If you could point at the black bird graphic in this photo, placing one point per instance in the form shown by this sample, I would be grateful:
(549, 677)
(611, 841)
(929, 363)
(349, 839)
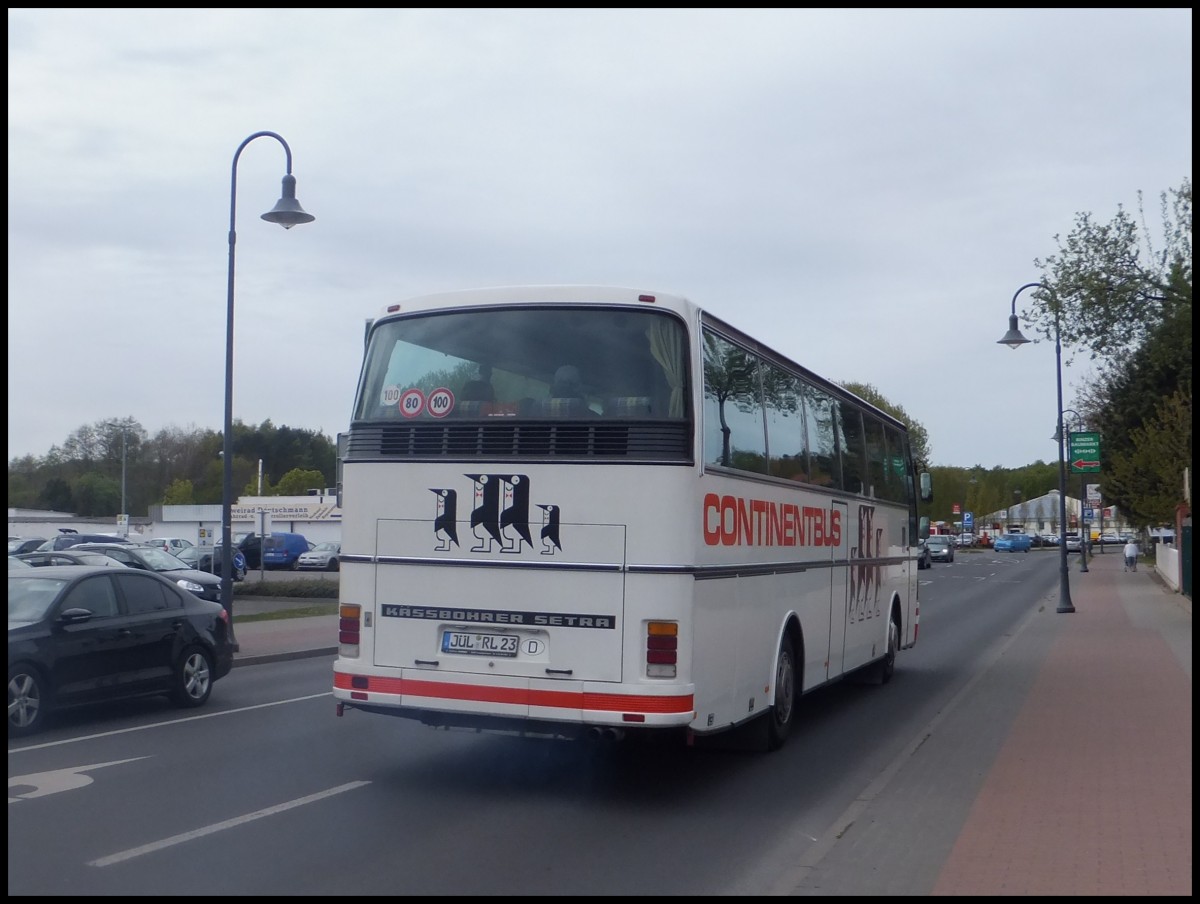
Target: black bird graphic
(445, 521)
(514, 512)
(485, 517)
(550, 529)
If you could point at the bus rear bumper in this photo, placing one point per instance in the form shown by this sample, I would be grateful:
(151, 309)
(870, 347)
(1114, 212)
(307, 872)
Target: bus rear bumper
(527, 706)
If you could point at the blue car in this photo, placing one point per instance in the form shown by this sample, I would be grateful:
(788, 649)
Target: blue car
(1013, 543)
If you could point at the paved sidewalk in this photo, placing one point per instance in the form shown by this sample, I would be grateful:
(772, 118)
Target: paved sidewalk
(1091, 794)
(286, 638)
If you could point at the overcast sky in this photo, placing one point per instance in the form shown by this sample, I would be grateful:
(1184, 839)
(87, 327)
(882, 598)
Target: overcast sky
(862, 189)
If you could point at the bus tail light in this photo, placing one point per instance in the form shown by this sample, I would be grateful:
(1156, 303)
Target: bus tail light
(349, 629)
(662, 649)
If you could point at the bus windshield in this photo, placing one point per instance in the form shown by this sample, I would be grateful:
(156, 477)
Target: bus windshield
(543, 361)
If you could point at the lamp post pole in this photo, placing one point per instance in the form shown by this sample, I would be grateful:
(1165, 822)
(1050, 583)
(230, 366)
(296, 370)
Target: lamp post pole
(1013, 339)
(287, 212)
(1084, 531)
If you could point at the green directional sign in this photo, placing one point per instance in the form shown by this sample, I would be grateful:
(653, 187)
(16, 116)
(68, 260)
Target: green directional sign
(1085, 452)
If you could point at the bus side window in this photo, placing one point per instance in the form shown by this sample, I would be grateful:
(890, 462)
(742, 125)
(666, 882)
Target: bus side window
(821, 428)
(854, 452)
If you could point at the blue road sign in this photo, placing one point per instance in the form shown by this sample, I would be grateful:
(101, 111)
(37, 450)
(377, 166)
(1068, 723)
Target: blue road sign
(968, 521)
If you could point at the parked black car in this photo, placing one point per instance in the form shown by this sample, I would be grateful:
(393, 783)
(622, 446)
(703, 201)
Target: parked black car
(81, 634)
(924, 559)
(147, 558)
(202, 559)
(24, 544)
(68, 557)
(250, 545)
(68, 538)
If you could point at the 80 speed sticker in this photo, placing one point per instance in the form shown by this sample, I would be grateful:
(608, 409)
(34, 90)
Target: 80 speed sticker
(413, 402)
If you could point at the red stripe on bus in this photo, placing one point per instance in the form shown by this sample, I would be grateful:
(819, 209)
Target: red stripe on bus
(516, 696)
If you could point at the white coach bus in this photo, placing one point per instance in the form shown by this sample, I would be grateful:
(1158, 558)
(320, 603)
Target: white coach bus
(586, 511)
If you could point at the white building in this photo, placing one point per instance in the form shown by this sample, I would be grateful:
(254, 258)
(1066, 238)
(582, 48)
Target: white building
(317, 517)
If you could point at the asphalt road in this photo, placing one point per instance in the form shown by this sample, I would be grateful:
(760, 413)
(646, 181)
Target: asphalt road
(267, 791)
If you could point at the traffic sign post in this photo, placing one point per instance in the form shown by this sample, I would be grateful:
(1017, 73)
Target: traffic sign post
(1085, 452)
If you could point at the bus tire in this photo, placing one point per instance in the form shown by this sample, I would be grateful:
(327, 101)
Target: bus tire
(882, 670)
(782, 711)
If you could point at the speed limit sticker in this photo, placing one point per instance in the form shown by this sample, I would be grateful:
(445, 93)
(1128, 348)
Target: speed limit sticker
(441, 402)
(412, 402)
(390, 395)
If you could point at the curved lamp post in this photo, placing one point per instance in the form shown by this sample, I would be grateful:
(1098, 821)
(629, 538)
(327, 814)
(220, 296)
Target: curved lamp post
(287, 212)
(1084, 532)
(1013, 339)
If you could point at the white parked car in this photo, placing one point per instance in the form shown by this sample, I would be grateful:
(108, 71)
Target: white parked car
(322, 557)
(167, 544)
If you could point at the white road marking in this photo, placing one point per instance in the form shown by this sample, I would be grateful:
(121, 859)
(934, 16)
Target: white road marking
(56, 780)
(120, 731)
(221, 826)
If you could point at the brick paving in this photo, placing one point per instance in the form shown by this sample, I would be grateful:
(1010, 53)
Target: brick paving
(1091, 793)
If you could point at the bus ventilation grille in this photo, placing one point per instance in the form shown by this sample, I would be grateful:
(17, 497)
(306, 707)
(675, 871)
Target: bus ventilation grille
(653, 441)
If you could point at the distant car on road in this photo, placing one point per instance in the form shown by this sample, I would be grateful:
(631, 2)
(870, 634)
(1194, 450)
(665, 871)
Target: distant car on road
(941, 548)
(86, 633)
(1013, 543)
(322, 557)
(964, 540)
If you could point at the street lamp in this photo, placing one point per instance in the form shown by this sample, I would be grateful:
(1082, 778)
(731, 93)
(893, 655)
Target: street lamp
(124, 513)
(287, 212)
(1084, 530)
(1013, 339)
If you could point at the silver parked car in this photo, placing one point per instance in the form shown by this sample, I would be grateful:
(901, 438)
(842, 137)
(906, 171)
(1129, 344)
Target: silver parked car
(322, 557)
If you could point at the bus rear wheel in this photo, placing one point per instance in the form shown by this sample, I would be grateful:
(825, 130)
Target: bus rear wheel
(781, 714)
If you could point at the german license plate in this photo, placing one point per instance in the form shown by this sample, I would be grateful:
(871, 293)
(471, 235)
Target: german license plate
(479, 644)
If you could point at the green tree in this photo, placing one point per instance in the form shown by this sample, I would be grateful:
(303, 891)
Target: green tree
(1148, 480)
(56, 496)
(96, 495)
(1112, 285)
(297, 482)
(179, 492)
(1126, 299)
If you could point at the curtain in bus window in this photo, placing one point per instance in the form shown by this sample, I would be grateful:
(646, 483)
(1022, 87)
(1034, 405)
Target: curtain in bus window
(821, 431)
(784, 408)
(666, 345)
(854, 450)
(877, 475)
(734, 432)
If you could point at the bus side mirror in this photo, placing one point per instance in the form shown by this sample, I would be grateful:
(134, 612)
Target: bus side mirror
(926, 487)
(923, 526)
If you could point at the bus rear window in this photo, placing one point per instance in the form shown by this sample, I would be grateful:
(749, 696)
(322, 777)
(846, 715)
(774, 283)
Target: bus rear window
(542, 362)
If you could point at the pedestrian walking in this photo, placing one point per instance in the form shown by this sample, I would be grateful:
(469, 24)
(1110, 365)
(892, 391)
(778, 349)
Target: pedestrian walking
(1131, 556)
